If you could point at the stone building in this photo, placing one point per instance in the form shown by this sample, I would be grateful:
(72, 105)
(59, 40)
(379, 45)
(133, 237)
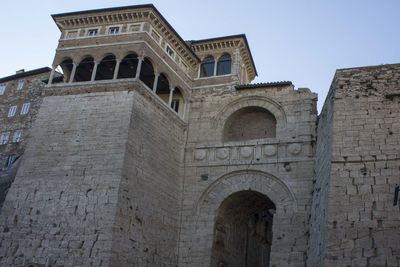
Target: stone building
(155, 151)
(20, 98)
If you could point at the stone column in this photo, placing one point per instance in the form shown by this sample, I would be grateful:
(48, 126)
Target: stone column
(155, 82)
(215, 67)
(171, 95)
(71, 78)
(94, 71)
(51, 75)
(139, 67)
(184, 110)
(116, 70)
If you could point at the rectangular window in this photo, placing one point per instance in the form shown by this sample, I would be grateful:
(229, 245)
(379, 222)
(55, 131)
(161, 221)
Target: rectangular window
(10, 160)
(92, 32)
(169, 51)
(20, 85)
(17, 136)
(175, 104)
(2, 89)
(12, 111)
(4, 138)
(113, 30)
(25, 108)
(72, 34)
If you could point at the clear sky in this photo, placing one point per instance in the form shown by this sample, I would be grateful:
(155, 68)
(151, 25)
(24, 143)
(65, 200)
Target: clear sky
(301, 41)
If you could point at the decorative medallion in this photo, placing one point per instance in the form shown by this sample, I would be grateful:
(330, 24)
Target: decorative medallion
(294, 149)
(200, 154)
(222, 153)
(269, 150)
(246, 152)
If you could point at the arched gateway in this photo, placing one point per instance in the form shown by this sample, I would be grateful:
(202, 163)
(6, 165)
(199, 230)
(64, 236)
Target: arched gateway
(242, 219)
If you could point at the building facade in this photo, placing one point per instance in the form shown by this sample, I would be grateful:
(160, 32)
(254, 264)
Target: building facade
(20, 99)
(149, 150)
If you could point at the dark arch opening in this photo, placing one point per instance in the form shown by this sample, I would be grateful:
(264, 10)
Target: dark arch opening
(84, 70)
(243, 230)
(224, 65)
(65, 69)
(178, 102)
(163, 89)
(250, 123)
(128, 66)
(105, 70)
(147, 73)
(207, 67)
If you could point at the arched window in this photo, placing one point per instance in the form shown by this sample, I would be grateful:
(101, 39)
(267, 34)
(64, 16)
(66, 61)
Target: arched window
(65, 69)
(224, 65)
(250, 123)
(84, 70)
(106, 68)
(147, 73)
(128, 66)
(207, 67)
(163, 89)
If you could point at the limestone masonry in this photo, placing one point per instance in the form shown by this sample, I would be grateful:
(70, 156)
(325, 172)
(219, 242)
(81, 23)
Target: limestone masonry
(138, 148)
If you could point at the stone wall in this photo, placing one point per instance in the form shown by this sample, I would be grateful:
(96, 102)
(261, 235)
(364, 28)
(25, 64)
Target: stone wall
(146, 227)
(31, 92)
(60, 209)
(280, 168)
(361, 221)
(323, 158)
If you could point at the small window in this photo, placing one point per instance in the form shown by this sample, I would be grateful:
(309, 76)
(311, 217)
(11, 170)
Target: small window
(113, 30)
(2, 89)
(4, 138)
(92, 32)
(175, 104)
(25, 108)
(20, 85)
(12, 111)
(10, 160)
(72, 34)
(169, 51)
(17, 136)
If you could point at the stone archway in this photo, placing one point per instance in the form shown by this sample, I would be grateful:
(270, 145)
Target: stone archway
(250, 181)
(243, 231)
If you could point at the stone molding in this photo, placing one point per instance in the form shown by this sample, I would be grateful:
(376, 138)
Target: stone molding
(130, 14)
(259, 181)
(228, 42)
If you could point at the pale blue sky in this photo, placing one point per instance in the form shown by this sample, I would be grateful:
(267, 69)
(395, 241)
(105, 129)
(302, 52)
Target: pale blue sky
(301, 41)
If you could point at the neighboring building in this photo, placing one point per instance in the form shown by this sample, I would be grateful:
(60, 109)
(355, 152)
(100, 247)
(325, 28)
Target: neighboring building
(20, 99)
(155, 151)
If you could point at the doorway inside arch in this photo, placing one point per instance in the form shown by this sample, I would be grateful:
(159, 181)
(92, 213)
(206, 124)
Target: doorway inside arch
(243, 231)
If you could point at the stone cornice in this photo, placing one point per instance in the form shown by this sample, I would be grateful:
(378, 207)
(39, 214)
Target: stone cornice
(236, 41)
(131, 14)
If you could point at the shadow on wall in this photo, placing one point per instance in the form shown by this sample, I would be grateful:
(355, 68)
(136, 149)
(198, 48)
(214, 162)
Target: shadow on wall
(7, 177)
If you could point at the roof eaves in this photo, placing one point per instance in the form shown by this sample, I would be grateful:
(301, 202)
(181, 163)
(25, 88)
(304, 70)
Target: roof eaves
(229, 37)
(151, 6)
(263, 85)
